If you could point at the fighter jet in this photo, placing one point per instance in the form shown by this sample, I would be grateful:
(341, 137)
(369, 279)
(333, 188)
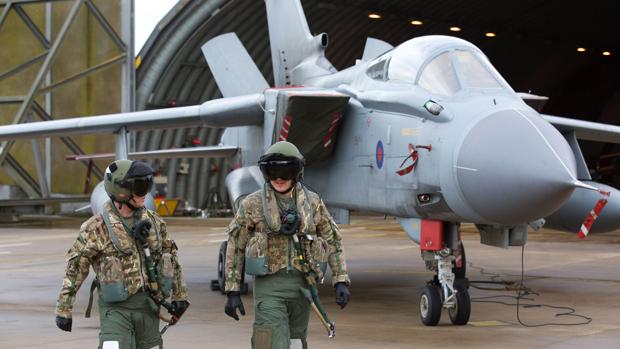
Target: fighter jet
(427, 131)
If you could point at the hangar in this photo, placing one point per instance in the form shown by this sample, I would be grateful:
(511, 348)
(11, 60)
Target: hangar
(567, 53)
(374, 16)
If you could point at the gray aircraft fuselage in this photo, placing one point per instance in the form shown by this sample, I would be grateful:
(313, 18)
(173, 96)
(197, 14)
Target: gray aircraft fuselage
(492, 159)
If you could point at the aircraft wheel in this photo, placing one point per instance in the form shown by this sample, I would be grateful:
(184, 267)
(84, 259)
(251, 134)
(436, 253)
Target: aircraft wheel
(460, 271)
(430, 306)
(459, 315)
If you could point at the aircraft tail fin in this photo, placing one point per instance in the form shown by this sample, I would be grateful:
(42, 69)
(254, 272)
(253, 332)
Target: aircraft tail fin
(232, 67)
(296, 54)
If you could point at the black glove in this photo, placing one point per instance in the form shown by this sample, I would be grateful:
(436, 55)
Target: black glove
(63, 323)
(141, 231)
(342, 294)
(178, 308)
(233, 301)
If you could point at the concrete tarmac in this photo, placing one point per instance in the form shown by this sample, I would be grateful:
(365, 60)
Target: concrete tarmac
(562, 272)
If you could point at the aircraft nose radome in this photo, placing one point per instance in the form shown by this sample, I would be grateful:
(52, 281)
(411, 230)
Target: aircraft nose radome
(514, 168)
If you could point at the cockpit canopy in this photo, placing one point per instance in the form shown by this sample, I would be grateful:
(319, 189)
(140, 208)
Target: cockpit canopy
(442, 65)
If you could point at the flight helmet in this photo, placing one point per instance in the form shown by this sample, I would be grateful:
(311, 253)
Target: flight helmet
(123, 178)
(282, 160)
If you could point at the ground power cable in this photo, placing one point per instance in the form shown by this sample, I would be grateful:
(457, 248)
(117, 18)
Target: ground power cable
(522, 294)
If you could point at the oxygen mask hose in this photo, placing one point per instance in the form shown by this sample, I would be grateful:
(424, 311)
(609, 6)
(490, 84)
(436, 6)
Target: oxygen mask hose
(290, 222)
(140, 232)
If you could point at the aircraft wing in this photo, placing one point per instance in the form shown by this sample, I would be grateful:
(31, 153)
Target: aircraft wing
(216, 151)
(226, 112)
(587, 130)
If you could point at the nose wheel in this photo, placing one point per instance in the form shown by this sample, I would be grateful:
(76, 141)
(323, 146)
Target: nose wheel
(444, 291)
(459, 313)
(430, 305)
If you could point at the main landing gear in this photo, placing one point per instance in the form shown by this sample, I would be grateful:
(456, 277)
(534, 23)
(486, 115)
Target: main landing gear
(448, 289)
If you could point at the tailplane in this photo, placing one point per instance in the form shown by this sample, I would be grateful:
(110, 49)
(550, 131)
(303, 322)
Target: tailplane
(296, 54)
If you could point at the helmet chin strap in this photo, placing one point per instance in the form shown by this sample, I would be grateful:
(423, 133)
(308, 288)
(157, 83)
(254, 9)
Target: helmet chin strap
(132, 207)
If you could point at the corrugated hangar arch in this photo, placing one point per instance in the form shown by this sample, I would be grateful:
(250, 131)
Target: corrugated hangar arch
(534, 48)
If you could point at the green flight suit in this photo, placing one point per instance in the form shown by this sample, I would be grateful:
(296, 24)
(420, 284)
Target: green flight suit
(281, 311)
(133, 323)
(129, 317)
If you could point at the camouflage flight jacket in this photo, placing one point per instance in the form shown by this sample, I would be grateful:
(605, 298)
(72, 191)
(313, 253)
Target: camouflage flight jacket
(95, 247)
(251, 225)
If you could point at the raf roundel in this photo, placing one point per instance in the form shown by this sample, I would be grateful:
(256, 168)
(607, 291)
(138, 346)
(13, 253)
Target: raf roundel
(379, 156)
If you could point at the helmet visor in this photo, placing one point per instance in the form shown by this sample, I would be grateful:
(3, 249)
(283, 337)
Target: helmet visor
(139, 186)
(280, 169)
(143, 185)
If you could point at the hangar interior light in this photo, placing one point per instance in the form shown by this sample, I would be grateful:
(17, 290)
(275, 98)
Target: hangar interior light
(373, 14)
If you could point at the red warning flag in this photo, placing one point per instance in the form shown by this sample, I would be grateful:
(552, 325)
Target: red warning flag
(593, 215)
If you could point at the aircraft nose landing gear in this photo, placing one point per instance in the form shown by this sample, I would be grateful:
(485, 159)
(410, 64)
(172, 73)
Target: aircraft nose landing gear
(444, 291)
(449, 287)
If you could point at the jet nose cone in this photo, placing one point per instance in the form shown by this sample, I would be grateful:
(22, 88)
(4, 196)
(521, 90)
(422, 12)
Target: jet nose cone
(513, 168)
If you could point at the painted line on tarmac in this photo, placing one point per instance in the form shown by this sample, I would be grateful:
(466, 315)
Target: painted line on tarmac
(46, 237)
(402, 247)
(489, 323)
(407, 272)
(210, 241)
(5, 252)
(16, 245)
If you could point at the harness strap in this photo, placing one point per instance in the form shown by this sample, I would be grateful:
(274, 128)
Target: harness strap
(113, 237)
(266, 208)
(93, 286)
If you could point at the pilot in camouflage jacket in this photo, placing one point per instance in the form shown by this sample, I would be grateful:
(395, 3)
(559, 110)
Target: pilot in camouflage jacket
(128, 306)
(258, 240)
(253, 233)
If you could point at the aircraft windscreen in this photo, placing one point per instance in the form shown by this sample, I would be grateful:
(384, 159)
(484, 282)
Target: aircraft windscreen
(439, 76)
(473, 73)
(376, 69)
(439, 64)
(405, 61)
